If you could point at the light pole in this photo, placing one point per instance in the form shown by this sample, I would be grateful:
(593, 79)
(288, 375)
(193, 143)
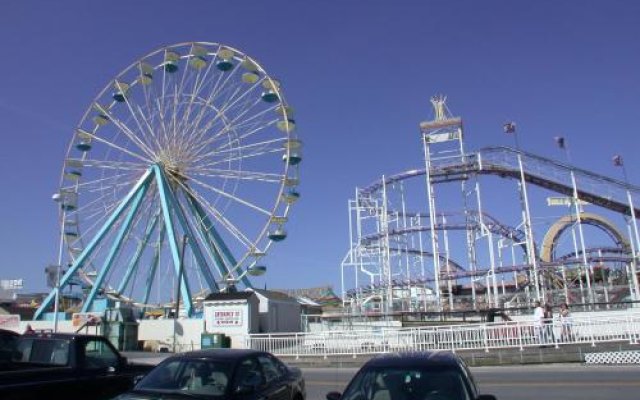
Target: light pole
(58, 199)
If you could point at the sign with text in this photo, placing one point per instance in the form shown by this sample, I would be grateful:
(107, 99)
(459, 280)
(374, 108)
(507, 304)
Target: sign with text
(228, 317)
(88, 318)
(564, 201)
(11, 284)
(9, 321)
(442, 137)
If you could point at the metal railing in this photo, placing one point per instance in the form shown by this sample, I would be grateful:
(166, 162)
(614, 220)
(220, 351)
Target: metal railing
(503, 335)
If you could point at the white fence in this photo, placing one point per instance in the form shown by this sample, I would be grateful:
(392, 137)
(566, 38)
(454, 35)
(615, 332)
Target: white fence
(516, 334)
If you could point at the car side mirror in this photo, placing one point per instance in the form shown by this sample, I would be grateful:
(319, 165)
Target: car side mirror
(486, 397)
(245, 389)
(335, 396)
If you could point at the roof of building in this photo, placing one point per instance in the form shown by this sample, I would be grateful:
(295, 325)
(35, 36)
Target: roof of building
(229, 296)
(270, 294)
(323, 295)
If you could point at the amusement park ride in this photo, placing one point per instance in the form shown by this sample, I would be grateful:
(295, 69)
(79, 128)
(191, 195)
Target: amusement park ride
(424, 240)
(183, 168)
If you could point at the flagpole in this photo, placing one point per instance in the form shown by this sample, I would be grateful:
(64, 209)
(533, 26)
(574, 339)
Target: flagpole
(619, 162)
(560, 140)
(510, 128)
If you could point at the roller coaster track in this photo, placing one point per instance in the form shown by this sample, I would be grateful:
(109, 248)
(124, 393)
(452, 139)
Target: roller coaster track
(543, 172)
(457, 221)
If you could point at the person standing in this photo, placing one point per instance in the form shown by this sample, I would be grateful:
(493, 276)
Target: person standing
(538, 318)
(548, 323)
(565, 323)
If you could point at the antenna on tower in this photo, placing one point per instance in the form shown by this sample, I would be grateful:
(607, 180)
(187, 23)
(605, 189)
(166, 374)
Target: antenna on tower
(439, 103)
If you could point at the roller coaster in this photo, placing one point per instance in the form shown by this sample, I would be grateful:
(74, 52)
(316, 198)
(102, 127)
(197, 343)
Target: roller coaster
(405, 255)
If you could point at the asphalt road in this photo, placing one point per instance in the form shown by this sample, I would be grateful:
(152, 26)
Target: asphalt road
(548, 382)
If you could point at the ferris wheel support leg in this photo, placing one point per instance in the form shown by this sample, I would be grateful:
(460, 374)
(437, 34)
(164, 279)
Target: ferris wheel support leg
(216, 241)
(169, 195)
(154, 267)
(135, 260)
(173, 243)
(204, 227)
(115, 248)
(93, 244)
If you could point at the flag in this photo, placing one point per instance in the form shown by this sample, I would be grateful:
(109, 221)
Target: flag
(617, 160)
(560, 141)
(510, 127)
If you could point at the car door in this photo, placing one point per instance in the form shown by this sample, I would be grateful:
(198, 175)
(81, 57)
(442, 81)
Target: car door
(249, 375)
(101, 366)
(278, 384)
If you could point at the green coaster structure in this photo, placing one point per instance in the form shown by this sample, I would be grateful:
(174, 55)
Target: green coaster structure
(193, 142)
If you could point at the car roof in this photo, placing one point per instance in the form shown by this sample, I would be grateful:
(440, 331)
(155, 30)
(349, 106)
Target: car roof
(6, 332)
(219, 354)
(59, 335)
(415, 359)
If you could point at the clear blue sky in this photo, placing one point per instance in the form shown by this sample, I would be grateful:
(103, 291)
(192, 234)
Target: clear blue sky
(359, 74)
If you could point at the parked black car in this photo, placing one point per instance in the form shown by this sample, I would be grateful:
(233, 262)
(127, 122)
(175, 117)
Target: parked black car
(8, 340)
(412, 376)
(66, 366)
(221, 373)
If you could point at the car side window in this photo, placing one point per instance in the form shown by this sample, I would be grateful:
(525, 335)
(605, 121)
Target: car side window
(249, 374)
(52, 352)
(97, 354)
(282, 368)
(467, 374)
(269, 368)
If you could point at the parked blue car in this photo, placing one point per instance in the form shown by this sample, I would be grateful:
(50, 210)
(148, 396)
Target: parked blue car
(412, 376)
(221, 374)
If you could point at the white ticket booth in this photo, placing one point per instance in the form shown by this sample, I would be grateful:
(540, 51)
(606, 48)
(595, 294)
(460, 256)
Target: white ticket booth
(234, 314)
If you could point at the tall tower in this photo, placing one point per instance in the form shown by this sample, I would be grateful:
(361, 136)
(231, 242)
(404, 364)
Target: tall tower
(441, 139)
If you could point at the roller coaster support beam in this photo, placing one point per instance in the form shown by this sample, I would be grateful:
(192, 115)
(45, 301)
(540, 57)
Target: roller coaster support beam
(636, 248)
(587, 267)
(531, 251)
(492, 261)
(386, 261)
(432, 220)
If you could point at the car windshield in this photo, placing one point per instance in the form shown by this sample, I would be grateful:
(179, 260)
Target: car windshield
(407, 384)
(188, 376)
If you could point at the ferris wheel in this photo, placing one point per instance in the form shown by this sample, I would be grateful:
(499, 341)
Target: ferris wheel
(185, 165)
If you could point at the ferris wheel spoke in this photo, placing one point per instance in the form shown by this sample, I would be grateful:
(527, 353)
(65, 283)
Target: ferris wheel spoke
(176, 101)
(228, 125)
(127, 132)
(120, 148)
(141, 129)
(188, 109)
(231, 197)
(257, 151)
(266, 143)
(108, 164)
(232, 102)
(204, 145)
(218, 216)
(238, 174)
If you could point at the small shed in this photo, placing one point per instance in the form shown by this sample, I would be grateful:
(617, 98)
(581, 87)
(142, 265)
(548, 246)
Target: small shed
(233, 313)
(278, 312)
